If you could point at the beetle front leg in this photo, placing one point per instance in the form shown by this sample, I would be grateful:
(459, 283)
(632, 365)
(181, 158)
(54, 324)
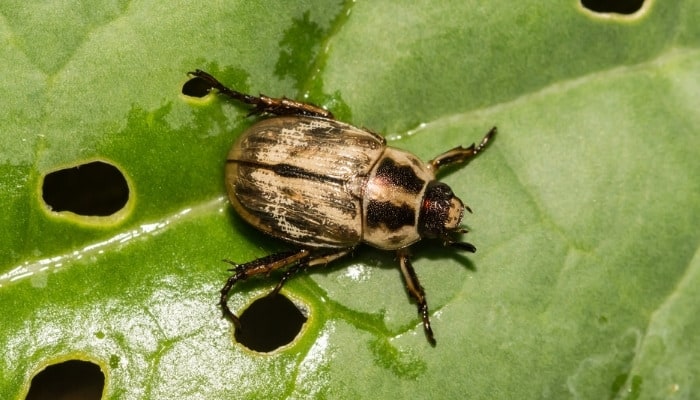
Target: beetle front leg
(459, 154)
(262, 265)
(416, 291)
(263, 104)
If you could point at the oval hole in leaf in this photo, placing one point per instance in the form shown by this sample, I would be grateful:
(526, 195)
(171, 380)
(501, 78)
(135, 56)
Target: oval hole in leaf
(618, 7)
(93, 189)
(72, 379)
(269, 323)
(196, 87)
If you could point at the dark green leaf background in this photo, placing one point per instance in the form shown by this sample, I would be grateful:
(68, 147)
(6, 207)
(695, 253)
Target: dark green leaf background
(586, 206)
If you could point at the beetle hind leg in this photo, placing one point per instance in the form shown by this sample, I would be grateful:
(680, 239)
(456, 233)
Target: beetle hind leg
(416, 291)
(311, 262)
(296, 260)
(262, 265)
(263, 104)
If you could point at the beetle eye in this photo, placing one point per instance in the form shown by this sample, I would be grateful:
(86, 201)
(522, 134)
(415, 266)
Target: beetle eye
(441, 211)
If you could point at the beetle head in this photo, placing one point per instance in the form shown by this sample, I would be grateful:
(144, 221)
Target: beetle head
(440, 215)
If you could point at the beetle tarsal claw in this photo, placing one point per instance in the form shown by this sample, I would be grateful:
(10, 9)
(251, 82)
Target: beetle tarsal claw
(234, 264)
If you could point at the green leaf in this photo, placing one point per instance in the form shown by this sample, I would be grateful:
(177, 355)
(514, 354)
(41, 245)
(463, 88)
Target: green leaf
(586, 206)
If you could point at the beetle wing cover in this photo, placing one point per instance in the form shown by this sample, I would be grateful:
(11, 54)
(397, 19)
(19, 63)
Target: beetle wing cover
(301, 179)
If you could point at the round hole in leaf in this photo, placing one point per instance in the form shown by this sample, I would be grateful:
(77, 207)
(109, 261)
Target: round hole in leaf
(618, 6)
(93, 189)
(196, 87)
(72, 379)
(269, 323)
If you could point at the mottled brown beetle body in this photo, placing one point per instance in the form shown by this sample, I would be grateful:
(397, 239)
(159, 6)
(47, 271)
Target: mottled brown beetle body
(321, 183)
(327, 186)
(301, 179)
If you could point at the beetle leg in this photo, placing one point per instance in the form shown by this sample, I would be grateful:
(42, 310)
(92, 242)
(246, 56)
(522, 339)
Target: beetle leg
(459, 154)
(263, 104)
(416, 291)
(302, 265)
(262, 265)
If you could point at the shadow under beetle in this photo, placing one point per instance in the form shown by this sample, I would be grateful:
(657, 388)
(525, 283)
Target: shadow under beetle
(327, 186)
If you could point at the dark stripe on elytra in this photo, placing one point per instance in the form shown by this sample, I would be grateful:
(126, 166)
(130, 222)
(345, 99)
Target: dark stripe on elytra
(325, 130)
(390, 215)
(309, 232)
(401, 176)
(290, 171)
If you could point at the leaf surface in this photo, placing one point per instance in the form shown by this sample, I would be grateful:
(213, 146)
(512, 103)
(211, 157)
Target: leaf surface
(586, 206)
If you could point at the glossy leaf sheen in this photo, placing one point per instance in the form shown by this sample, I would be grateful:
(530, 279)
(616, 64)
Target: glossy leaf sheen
(586, 206)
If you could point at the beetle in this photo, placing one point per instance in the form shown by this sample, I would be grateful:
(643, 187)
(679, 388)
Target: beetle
(326, 186)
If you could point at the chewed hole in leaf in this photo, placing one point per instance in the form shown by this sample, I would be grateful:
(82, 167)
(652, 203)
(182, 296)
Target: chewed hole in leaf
(617, 7)
(196, 87)
(73, 379)
(93, 189)
(269, 323)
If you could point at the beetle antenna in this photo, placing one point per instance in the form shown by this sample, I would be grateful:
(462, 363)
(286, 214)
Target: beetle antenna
(464, 246)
